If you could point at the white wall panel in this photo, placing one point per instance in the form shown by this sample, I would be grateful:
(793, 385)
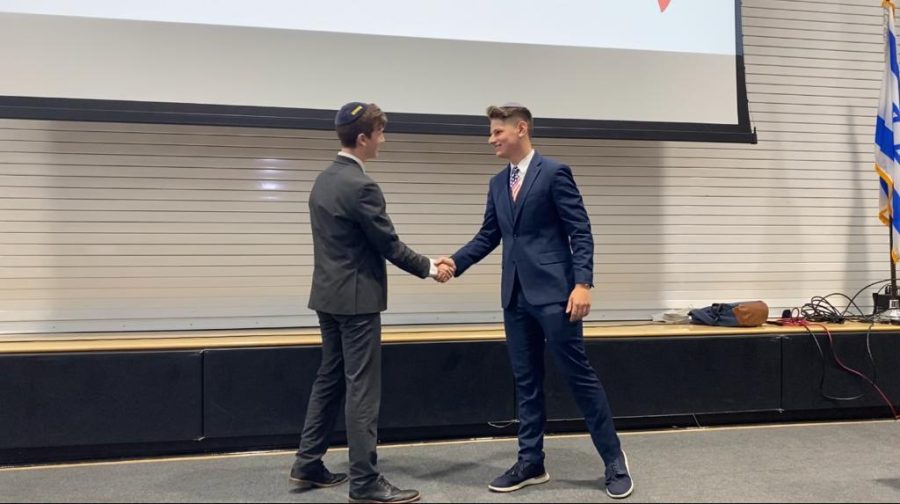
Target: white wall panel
(110, 227)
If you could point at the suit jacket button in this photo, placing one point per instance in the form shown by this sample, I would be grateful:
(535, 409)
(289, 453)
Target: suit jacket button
(515, 235)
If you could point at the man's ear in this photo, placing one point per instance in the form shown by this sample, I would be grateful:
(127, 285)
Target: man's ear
(362, 139)
(522, 129)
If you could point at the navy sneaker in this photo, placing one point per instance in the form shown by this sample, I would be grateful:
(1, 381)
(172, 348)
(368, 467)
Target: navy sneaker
(618, 480)
(521, 475)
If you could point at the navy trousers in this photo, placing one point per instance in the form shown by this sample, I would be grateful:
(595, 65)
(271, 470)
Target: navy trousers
(528, 330)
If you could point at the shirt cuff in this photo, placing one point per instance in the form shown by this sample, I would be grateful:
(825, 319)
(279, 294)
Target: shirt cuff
(432, 270)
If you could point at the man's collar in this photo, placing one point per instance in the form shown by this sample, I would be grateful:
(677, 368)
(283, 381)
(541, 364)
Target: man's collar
(525, 161)
(353, 158)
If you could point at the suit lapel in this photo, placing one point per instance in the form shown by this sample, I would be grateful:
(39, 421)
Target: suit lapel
(534, 171)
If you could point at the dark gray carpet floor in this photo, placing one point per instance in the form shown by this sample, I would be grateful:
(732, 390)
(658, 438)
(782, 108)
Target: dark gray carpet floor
(837, 462)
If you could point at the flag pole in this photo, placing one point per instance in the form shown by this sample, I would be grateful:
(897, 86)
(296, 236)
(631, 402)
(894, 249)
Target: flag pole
(893, 293)
(893, 297)
(891, 308)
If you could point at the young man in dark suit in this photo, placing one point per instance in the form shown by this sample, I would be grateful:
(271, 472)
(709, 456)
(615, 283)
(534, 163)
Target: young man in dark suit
(352, 237)
(535, 209)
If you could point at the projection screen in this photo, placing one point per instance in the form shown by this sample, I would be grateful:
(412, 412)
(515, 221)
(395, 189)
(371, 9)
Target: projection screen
(651, 69)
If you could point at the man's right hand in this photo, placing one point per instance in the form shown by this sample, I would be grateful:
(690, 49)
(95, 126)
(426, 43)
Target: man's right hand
(446, 269)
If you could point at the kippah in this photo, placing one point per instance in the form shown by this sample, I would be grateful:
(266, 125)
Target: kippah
(350, 113)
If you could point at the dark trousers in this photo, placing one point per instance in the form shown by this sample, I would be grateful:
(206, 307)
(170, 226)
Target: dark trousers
(351, 363)
(528, 329)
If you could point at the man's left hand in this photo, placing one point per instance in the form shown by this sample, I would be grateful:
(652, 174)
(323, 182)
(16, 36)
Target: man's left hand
(579, 303)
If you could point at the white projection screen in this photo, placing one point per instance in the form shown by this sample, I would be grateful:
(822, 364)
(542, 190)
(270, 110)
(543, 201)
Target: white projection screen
(640, 69)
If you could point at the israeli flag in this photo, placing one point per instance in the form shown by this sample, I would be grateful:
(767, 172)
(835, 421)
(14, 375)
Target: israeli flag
(887, 133)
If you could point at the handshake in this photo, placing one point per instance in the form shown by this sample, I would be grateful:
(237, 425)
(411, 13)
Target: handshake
(446, 268)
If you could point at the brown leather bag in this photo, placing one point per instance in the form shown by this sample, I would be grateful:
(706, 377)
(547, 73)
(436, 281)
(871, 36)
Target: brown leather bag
(751, 314)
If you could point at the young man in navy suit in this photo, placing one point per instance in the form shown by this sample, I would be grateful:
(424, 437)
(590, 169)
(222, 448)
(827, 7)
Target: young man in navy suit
(535, 209)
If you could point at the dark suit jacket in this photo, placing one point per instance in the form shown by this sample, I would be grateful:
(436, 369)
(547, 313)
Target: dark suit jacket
(546, 234)
(352, 236)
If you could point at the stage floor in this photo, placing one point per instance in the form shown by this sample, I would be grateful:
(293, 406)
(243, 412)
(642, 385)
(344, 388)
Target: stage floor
(252, 338)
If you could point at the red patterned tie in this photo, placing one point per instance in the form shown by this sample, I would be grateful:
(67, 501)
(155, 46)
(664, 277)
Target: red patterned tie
(515, 182)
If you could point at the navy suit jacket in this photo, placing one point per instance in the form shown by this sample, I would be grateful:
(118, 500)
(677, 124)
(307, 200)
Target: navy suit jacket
(546, 234)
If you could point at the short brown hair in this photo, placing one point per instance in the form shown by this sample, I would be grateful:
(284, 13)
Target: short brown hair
(371, 120)
(512, 111)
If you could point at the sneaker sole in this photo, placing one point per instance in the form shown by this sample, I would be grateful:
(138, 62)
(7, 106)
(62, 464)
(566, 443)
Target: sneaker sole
(630, 490)
(315, 484)
(351, 500)
(533, 481)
